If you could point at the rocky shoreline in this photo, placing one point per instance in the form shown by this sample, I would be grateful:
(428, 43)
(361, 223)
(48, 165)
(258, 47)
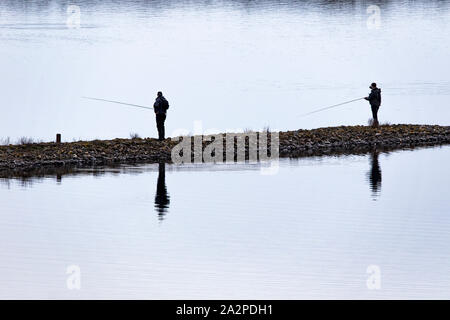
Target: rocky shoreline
(19, 159)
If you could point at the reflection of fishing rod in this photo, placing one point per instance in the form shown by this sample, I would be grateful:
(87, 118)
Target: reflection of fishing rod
(326, 108)
(118, 102)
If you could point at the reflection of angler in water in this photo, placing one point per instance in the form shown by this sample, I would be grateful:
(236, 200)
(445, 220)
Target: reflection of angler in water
(375, 174)
(162, 199)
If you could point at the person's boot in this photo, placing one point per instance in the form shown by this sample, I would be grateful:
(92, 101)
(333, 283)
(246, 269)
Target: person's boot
(375, 123)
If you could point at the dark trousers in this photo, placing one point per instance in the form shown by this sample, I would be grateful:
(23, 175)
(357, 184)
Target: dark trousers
(375, 112)
(160, 118)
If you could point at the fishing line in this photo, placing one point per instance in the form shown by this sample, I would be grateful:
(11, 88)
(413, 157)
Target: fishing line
(118, 102)
(330, 107)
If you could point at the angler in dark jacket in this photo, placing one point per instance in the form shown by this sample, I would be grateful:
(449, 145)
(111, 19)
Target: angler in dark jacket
(374, 99)
(160, 107)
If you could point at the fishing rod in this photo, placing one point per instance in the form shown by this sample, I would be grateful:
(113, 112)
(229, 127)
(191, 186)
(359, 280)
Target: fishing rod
(118, 102)
(330, 107)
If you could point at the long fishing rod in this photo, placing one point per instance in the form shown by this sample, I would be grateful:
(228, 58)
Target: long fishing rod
(330, 107)
(118, 102)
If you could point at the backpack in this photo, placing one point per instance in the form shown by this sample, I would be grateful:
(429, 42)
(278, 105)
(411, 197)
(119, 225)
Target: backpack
(376, 96)
(161, 105)
(165, 103)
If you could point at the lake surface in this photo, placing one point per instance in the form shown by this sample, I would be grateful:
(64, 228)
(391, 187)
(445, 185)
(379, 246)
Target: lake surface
(227, 231)
(312, 230)
(228, 64)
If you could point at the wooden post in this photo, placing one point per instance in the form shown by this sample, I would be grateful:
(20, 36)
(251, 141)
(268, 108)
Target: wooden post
(58, 138)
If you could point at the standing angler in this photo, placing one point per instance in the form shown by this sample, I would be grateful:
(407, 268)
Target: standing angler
(374, 99)
(161, 105)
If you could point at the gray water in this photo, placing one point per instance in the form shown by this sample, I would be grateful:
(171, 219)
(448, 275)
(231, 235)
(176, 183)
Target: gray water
(312, 230)
(227, 231)
(229, 64)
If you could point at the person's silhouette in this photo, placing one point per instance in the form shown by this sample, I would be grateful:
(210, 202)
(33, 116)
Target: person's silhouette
(375, 174)
(162, 198)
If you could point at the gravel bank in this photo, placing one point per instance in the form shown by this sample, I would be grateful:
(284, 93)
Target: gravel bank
(332, 140)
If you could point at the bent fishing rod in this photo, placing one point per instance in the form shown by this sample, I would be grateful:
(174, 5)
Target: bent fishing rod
(118, 102)
(330, 107)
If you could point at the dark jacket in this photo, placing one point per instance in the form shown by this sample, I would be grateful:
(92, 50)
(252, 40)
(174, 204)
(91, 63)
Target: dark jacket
(161, 105)
(375, 97)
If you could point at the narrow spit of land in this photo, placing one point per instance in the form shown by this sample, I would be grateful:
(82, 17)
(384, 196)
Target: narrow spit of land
(322, 141)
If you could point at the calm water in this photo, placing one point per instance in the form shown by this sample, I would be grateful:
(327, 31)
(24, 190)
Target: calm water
(227, 231)
(230, 64)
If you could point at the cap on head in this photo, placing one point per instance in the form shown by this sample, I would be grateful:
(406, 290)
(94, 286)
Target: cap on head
(373, 85)
(159, 94)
